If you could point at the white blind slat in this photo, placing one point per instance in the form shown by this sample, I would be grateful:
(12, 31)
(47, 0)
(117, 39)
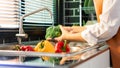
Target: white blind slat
(9, 13)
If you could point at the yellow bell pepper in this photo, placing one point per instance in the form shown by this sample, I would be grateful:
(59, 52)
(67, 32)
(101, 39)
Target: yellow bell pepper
(45, 46)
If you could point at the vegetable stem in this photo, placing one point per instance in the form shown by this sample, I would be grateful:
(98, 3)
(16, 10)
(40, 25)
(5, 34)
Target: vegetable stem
(64, 46)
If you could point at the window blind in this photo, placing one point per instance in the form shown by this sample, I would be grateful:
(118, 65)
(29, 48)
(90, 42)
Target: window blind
(41, 18)
(9, 13)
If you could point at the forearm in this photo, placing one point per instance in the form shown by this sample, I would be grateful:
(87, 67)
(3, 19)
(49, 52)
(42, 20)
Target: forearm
(76, 29)
(71, 33)
(73, 37)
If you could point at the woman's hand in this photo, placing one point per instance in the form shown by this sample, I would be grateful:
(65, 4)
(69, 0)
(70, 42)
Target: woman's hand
(65, 31)
(73, 29)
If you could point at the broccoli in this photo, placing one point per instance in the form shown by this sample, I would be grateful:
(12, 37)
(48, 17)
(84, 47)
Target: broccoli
(53, 31)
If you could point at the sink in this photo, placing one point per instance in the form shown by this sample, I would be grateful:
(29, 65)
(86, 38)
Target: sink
(7, 46)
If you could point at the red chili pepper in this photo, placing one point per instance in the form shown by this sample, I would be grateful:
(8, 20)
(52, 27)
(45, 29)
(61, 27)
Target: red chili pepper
(26, 48)
(62, 47)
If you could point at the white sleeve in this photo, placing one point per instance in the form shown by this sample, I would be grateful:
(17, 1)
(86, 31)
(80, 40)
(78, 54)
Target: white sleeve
(108, 26)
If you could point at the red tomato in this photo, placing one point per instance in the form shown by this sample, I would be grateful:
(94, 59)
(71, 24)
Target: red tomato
(26, 48)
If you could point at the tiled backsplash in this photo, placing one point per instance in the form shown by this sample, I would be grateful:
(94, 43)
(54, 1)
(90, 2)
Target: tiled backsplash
(71, 9)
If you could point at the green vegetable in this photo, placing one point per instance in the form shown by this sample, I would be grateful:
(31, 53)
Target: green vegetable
(89, 5)
(86, 5)
(53, 31)
(84, 23)
(55, 60)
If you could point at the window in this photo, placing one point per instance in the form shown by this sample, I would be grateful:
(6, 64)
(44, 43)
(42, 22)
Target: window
(9, 13)
(41, 18)
(11, 10)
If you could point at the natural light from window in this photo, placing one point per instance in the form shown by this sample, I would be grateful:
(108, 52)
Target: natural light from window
(9, 13)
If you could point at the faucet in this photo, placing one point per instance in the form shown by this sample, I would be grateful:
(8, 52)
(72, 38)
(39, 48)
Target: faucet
(21, 33)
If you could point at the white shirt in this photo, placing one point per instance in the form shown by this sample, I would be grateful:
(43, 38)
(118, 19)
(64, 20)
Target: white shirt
(108, 26)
